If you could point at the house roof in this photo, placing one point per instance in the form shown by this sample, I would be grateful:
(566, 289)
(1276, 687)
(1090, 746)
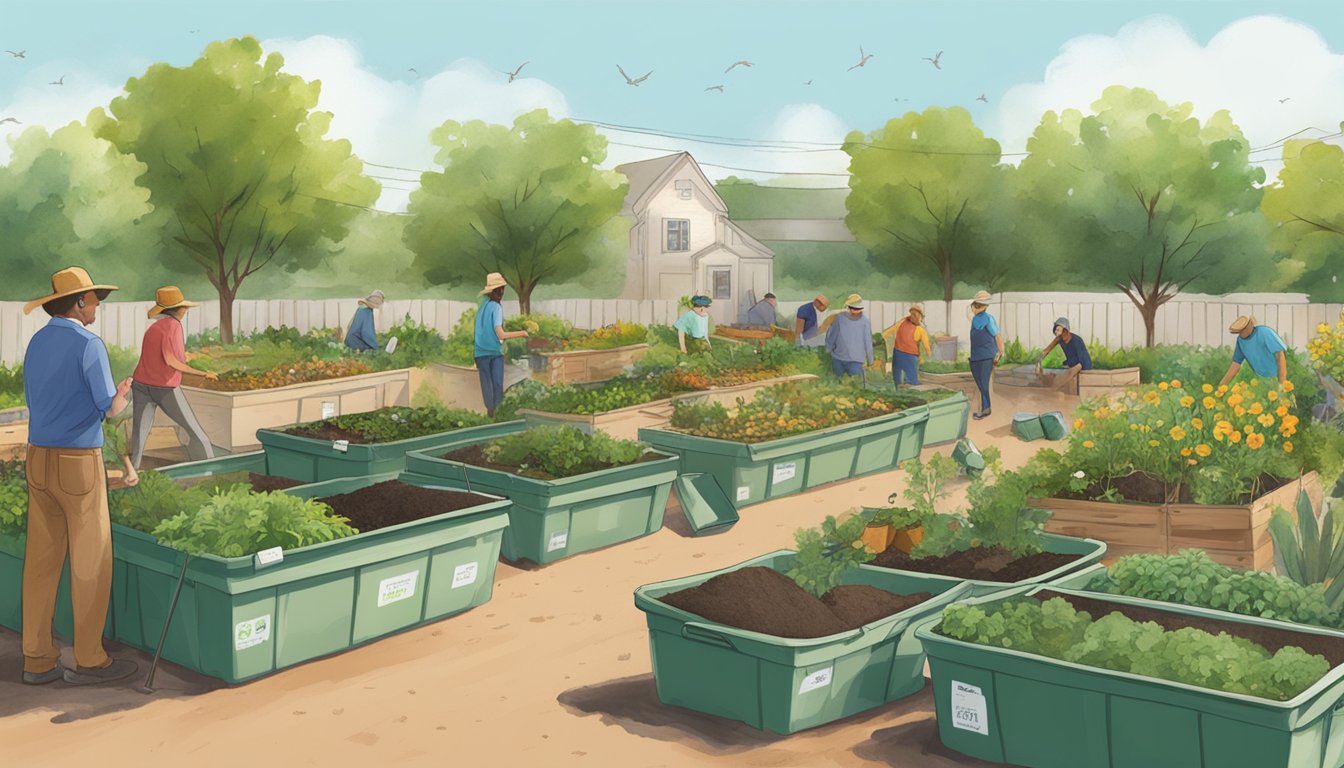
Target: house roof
(647, 177)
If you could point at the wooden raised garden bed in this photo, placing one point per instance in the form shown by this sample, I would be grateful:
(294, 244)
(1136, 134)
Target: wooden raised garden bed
(580, 366)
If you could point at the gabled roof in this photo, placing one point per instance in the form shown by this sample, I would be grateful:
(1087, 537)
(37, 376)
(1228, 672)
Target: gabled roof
(648, 177)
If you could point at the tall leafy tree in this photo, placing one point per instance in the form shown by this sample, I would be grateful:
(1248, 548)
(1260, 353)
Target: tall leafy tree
(922, 193)
(69, 198)
(236, 163)
(1307, 205)
(527, 201)
(1151, 199)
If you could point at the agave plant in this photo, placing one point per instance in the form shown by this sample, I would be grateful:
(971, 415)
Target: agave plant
(1312, 551)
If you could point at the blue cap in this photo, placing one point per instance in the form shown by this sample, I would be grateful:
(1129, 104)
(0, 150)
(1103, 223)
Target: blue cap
(701, 301)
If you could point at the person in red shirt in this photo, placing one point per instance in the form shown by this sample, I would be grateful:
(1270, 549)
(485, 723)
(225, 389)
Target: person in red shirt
(157, 380)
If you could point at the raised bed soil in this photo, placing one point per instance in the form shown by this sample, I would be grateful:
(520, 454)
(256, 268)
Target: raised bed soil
(393, 502)
(979, 563)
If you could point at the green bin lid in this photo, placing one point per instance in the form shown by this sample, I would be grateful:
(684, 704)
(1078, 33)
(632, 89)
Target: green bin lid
(705, 505)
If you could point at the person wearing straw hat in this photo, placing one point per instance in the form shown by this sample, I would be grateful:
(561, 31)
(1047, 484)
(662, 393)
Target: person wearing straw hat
(361, 335)
(903, 338)
(1076, 357)
(694, 322)
(807, 320)
(1260, 346)
(67, 381)
(986, 348)
(157, 381)
(490, 338)
(850, 339)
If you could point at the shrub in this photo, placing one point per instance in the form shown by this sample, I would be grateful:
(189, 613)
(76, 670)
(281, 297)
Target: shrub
(561, 451)
(13, 499)
(1312, 550)
(237, 522)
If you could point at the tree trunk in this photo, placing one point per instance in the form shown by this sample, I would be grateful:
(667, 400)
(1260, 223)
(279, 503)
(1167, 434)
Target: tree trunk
(525, 298)
(947, 301)
(1148, 310)
(226, 297)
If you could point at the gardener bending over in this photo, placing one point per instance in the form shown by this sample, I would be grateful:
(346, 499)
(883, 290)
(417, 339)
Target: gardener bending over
(1076, 358)
(361, 335)
(694, 322)
(1261, 347)
(157, 381)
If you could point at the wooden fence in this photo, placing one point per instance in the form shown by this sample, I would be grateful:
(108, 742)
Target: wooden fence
(1106, 318)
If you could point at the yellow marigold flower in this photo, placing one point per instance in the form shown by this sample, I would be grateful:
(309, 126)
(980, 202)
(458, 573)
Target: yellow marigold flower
(1177, 433)
(1078, 423)
(1322, 328)
(1163, 386)
(1207, 388)
(1089, 444)
(1291, 420)
(1185, 451)
(1191, 462)
(1272, 395)
(1282, 411)
(1153, 443)
(1203, 450)
(1234, 437)
(1222, 390)
(1256, 408)
(1235, 399)
(1133, 427)
(1103, 413)
(1145, 429)
(1288, 431)
(1248, 429)
(1197, 423)
(1255, 441)
(1187, 401)
(1152, 398)
(1287, 446)
(1239, 411)
(1287, 386)
(1209, 403)
(1218, 436)
(1266, 420)
(1176, 383)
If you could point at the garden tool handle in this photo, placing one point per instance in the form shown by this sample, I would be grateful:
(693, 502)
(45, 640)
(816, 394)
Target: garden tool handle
(702, 633)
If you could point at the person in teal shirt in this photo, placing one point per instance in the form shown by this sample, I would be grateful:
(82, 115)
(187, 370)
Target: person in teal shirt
(1260, 346)
(489, 341)
(694, 323)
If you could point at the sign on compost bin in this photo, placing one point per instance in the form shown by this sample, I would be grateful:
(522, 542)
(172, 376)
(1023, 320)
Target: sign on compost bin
(251, 632)
(819, 679)
(968, 709)
(268, 557)
(785, 471)
(558, 540)
(397, 588)
(465, 574)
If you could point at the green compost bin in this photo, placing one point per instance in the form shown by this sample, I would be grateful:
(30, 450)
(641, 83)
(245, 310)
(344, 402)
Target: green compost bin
(553, 519)
(1027, 426)
(754, 472)
(949, 413)
(311, 460)
(237, 620)
(1090, 551)
(783, 684)
(1006, 706)
(11, 593)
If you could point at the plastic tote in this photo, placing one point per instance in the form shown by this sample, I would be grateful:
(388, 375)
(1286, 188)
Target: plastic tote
(311, 460)
(1006, 706)
(553, 519)
(784, 684)
(754, 472)
(239, 618)
(1090, 551)
(1027, 426)
(1054, 426)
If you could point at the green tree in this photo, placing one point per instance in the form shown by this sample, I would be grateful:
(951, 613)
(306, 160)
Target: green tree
(526, 201)
(1307, 205)
(69, 198)
(236, 163)
(1148, 198)
(922, 193)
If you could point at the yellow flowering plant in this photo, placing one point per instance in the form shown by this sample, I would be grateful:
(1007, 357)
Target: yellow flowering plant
(1326, 349)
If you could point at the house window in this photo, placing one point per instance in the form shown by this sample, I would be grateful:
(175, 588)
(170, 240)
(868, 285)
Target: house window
(678, 235)
(721, 283)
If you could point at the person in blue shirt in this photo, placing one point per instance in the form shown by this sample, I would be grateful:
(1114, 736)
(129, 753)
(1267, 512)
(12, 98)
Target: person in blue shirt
(490, 337)
(849, 340)
(1260, 346)
(807, 319)
(1076, 358)
(762, 312)
(694, 322)
(67, 381)
(361, 335)
(986, 348)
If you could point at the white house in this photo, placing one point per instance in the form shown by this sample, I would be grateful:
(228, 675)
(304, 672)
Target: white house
(682, 242)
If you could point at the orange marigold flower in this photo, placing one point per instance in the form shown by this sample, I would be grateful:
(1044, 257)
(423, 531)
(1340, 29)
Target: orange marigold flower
(1209, 402)
(1163, 386)
(1272, 395)
(1234, 437)
(1187, 401)
(1287, 446)
(1203, 450)
(1266, 420)
(1197, 423)
(1256, 408)
(1078, 423)
(1255, 441)
(1089, 444)
(1186, 451)
(1177, 433)
(1282, 411)
(1191, 462)
(1176, 383)
(1207, 388)
(1287, 386)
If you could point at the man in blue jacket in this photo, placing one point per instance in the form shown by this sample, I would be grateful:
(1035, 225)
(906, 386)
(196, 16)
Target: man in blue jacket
(361, 335)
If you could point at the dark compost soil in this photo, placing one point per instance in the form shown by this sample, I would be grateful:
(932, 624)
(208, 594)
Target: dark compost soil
(982, 563)
(393, 502)
(1272, 639)
(766, 601)
(1139, 487)
(263, 483)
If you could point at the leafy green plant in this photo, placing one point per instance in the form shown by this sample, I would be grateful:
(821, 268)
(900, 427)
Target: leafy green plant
(927, 483)
(1312, 551)
(11, 386)
(238, 522)
(154, 499)
(1054, 629)
(396, 423)
(564, 451)
(826, 553)
(13, 499)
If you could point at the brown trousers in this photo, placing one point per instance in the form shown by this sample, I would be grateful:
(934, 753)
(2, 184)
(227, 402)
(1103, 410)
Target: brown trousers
(67, 510)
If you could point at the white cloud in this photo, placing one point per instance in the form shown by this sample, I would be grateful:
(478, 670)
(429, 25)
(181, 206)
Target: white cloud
(389, 121)
(1245, 68)
(36, 102)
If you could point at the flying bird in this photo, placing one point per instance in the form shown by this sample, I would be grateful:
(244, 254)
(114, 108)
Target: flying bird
(18, 54)
(981, 97)
(514, 74)
(863, 59)
(637, 80)
(934, 60)
(58, 82)
(1284, 99)
(718, 88)
(743, 63)
(809, 82)
(412, 69)
(10, 120)
(193, 31)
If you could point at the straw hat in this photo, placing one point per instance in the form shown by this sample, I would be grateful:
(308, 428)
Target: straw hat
(492, 281)
(855, 301)
(1241, 324)
(825, 302)
(374, 300)
(67, 282)
(982, 297)
(917, 307)
(169, 297)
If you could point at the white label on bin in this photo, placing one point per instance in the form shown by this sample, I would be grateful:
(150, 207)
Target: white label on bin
(397, 588)
(968, 709)
(743, 492)
(819, 679)
(785, 471)
(465, 574)
(252, 632)
(269, 556)
(328, 409)
(559, 540)
(340, 445)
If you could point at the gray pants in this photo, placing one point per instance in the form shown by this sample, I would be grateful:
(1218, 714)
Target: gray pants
(145, 401)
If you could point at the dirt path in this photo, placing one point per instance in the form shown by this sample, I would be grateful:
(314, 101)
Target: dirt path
(554, 671)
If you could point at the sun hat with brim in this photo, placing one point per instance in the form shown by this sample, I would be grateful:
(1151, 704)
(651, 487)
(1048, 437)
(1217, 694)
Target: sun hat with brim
(701, 301)
(1241, 323)
(917, 308)
(374, 300)
(855, 301)
(983, 297)
(1061, 322)
(169, 297)
(492, 281)
(825, 302)
(68, 282)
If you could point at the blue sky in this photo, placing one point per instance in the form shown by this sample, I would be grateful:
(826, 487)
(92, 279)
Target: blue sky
(1003, 49)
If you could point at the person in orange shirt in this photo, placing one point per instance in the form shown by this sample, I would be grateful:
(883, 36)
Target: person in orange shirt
(904, 337)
